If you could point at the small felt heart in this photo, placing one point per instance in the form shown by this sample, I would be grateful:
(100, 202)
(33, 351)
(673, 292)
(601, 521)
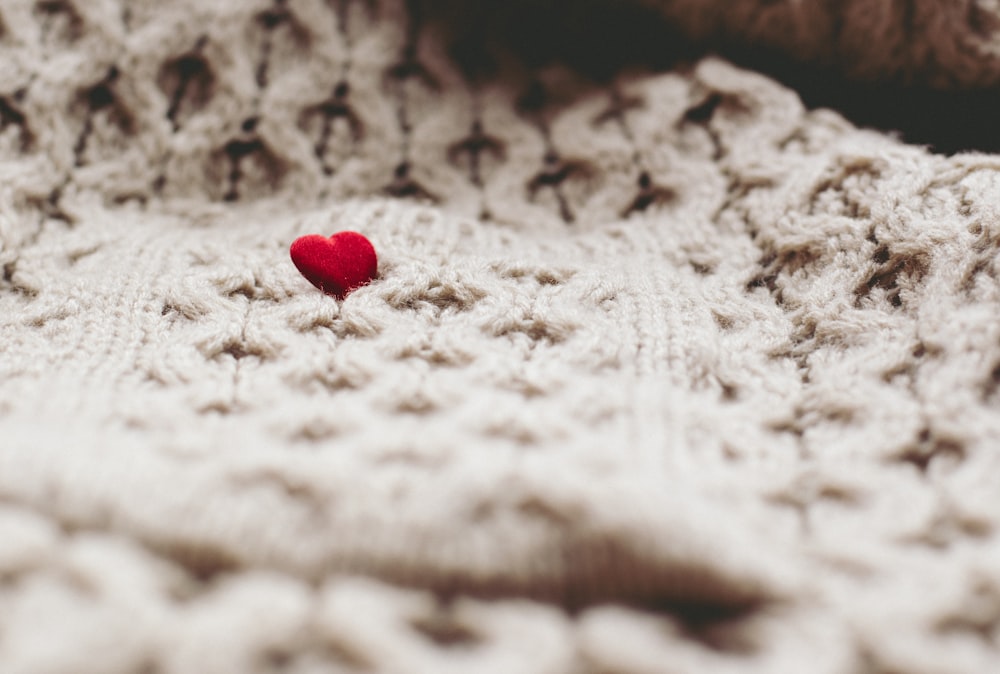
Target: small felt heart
(336, 265)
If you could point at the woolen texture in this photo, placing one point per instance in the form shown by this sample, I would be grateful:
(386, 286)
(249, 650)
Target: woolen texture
(661, 371)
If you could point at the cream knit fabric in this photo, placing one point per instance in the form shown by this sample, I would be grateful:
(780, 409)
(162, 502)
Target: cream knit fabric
(662, 371)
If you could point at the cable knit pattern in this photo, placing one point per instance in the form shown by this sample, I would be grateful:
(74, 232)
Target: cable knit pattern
(662, 371)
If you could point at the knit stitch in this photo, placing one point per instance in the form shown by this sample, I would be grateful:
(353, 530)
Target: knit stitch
(662, 371)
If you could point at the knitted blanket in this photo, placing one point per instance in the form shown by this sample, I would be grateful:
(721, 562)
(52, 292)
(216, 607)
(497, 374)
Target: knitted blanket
(663, 370)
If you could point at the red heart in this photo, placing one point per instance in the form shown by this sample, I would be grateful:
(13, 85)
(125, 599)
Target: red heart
(336, 265)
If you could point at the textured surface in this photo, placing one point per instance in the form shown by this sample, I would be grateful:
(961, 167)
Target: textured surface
(944, 43)
(662, 372)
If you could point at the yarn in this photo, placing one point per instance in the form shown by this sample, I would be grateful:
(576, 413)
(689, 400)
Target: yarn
(662, 371)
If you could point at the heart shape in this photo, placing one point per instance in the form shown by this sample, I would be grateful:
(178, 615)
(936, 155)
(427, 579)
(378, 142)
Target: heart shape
(336, 265)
